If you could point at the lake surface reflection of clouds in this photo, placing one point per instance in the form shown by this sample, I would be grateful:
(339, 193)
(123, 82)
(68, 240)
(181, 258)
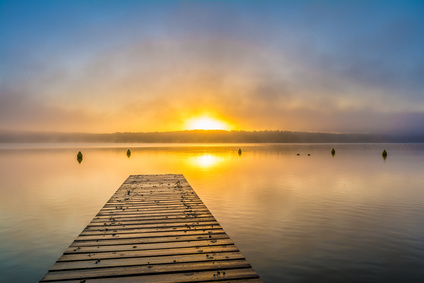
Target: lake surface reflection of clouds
(351, 217)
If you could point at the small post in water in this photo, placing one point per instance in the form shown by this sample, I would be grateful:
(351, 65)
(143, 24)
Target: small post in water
(79, 157)
(384, 154)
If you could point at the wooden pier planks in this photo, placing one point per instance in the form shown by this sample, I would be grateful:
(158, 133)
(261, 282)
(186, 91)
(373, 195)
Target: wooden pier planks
(153, 229)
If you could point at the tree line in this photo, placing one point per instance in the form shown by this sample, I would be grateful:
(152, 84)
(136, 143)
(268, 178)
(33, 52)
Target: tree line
(206, 136)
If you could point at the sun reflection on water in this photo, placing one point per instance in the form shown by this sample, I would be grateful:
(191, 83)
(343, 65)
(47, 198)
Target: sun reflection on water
(205, 160)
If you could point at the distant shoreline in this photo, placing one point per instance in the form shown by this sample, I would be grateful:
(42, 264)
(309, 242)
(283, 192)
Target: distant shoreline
(206, 136)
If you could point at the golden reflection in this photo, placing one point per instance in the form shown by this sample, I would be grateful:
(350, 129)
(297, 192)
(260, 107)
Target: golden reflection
(205, 160)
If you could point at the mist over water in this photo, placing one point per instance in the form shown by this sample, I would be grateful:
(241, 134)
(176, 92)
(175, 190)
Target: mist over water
(296, 217)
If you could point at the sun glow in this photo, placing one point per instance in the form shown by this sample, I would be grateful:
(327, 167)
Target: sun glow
(206, 123)
(205, 160)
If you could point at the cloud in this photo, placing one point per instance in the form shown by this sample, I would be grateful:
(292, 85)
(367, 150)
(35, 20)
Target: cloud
(166, 81)
(332, 67)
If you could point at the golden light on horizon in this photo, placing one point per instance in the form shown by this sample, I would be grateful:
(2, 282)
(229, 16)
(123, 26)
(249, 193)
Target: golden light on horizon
(206, 123)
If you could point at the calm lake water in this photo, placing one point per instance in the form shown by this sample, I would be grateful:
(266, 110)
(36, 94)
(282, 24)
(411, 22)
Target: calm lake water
(354, 217)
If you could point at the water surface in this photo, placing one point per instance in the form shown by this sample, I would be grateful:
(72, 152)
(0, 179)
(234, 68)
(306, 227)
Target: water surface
(352, 217)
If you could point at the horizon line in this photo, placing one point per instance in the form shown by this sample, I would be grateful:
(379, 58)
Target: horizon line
(8, 131)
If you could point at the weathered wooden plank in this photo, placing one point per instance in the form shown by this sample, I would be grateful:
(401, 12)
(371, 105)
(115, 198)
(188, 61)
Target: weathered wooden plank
(158, 209)
(133, 190)
(116, 214)
(144, 269)
(152, 246)
(153, 229)
(150, 191)
(139, 241)
(153, 205)
(247, 275)
(168, 227)
(167, 259)
(147, 218)
(117, 235)
(154, 202)
(189, 223)
(87, 232)
(150, 253)
(155, 196)
(141, 203)
(152, 221)
(150, 212)
(165, 208)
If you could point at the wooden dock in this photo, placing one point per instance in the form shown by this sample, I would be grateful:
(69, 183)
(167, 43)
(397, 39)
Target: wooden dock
(153, 229)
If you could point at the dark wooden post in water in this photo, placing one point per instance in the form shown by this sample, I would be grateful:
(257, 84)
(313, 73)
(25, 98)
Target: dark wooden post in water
(79, 156)
(153, 229)
(384, 154)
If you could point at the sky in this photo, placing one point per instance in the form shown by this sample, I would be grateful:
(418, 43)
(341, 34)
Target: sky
(117, 66)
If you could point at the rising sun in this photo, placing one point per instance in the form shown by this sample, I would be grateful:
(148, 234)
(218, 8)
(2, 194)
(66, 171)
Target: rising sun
(206, 123)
